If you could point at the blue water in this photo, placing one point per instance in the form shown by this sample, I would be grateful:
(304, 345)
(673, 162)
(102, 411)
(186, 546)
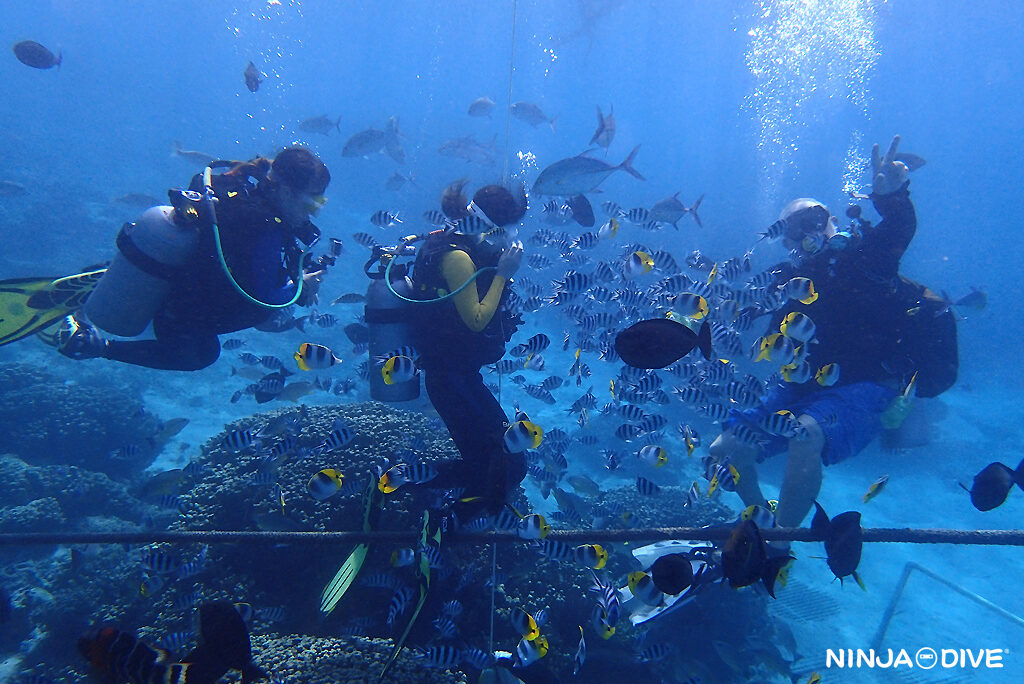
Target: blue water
(749, 104)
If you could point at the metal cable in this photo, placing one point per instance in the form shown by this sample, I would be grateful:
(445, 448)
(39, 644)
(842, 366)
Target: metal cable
(508, 103)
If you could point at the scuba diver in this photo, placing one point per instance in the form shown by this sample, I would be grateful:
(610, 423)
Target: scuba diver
(457, 335)
(874, 336)
(224, 257)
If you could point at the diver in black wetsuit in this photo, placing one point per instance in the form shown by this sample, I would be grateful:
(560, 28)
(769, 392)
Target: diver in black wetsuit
(887, 335)
(457, 336)
(169, 268)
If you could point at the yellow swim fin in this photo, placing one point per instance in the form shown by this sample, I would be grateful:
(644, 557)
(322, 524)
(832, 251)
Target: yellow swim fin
(28, 305)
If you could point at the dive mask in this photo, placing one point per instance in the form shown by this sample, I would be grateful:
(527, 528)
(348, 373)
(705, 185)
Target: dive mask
(479, 213)
(313, 204)
(812, 219)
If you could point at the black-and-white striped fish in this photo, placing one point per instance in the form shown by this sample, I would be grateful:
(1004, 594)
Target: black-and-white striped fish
(365, 240)
(339, 436)
(537, 343)
(646, 487)
(637, 215)
(384, 218)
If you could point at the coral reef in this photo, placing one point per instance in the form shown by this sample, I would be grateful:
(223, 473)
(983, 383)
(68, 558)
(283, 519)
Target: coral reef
(247, 489)
(324, 660)
(48, 421)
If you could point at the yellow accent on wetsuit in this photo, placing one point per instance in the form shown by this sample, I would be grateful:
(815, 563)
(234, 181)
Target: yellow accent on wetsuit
(457, 267)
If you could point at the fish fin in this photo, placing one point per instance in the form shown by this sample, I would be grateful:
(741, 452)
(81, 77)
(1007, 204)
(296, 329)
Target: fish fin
(820, 522)
(1018, 475)
(860, 582)
(29, 305)
(252, 673)
(693, 210)
(772, 569)
(600, 127)
(704, 340)
(627, 164)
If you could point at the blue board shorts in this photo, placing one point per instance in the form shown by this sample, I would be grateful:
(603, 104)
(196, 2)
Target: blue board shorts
(849, 416)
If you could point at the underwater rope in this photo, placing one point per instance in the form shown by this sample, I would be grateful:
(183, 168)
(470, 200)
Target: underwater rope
(897, 535)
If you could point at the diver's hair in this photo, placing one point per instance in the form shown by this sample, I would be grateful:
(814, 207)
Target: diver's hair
(254, 168)
(453, 200)
(500, 206)
(300, 169)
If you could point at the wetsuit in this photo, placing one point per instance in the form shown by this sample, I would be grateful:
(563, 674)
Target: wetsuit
(880, 328)
(455, 338)
(202, 304)
(877, 325)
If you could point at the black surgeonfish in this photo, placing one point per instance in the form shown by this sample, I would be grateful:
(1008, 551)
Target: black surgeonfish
(252, 77)
(993, 484)
(672, 573)
(745, 558)
(660, 342)
(582, 212)
(357, 333)
(843, 541)
(30, 53)
(223, 645)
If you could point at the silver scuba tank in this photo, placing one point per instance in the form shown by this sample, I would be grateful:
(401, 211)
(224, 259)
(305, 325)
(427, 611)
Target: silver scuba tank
(387, 322)
(149, 251)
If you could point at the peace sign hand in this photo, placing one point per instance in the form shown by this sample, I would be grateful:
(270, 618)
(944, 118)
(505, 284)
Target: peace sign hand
(888, 174)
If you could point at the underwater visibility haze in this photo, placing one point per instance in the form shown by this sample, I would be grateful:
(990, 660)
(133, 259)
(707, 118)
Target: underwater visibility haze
(572, 273)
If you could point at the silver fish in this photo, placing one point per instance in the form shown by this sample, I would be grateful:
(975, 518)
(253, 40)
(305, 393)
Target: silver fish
(532, 114)
(481, 106)
(579, 175)
(469, 149)
(193, 156)
(364, 143)
(320, 124)
(605, 128)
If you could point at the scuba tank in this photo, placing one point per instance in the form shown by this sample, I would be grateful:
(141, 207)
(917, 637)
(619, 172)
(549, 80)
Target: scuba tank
(149, 253)
(387, 321)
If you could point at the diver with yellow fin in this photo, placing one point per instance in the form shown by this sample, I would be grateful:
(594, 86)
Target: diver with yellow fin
(31, 305)
(225, 256)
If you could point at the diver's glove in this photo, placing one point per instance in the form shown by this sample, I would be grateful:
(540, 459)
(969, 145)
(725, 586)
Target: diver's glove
(510, 260)
(80, 341)
(888, 175)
